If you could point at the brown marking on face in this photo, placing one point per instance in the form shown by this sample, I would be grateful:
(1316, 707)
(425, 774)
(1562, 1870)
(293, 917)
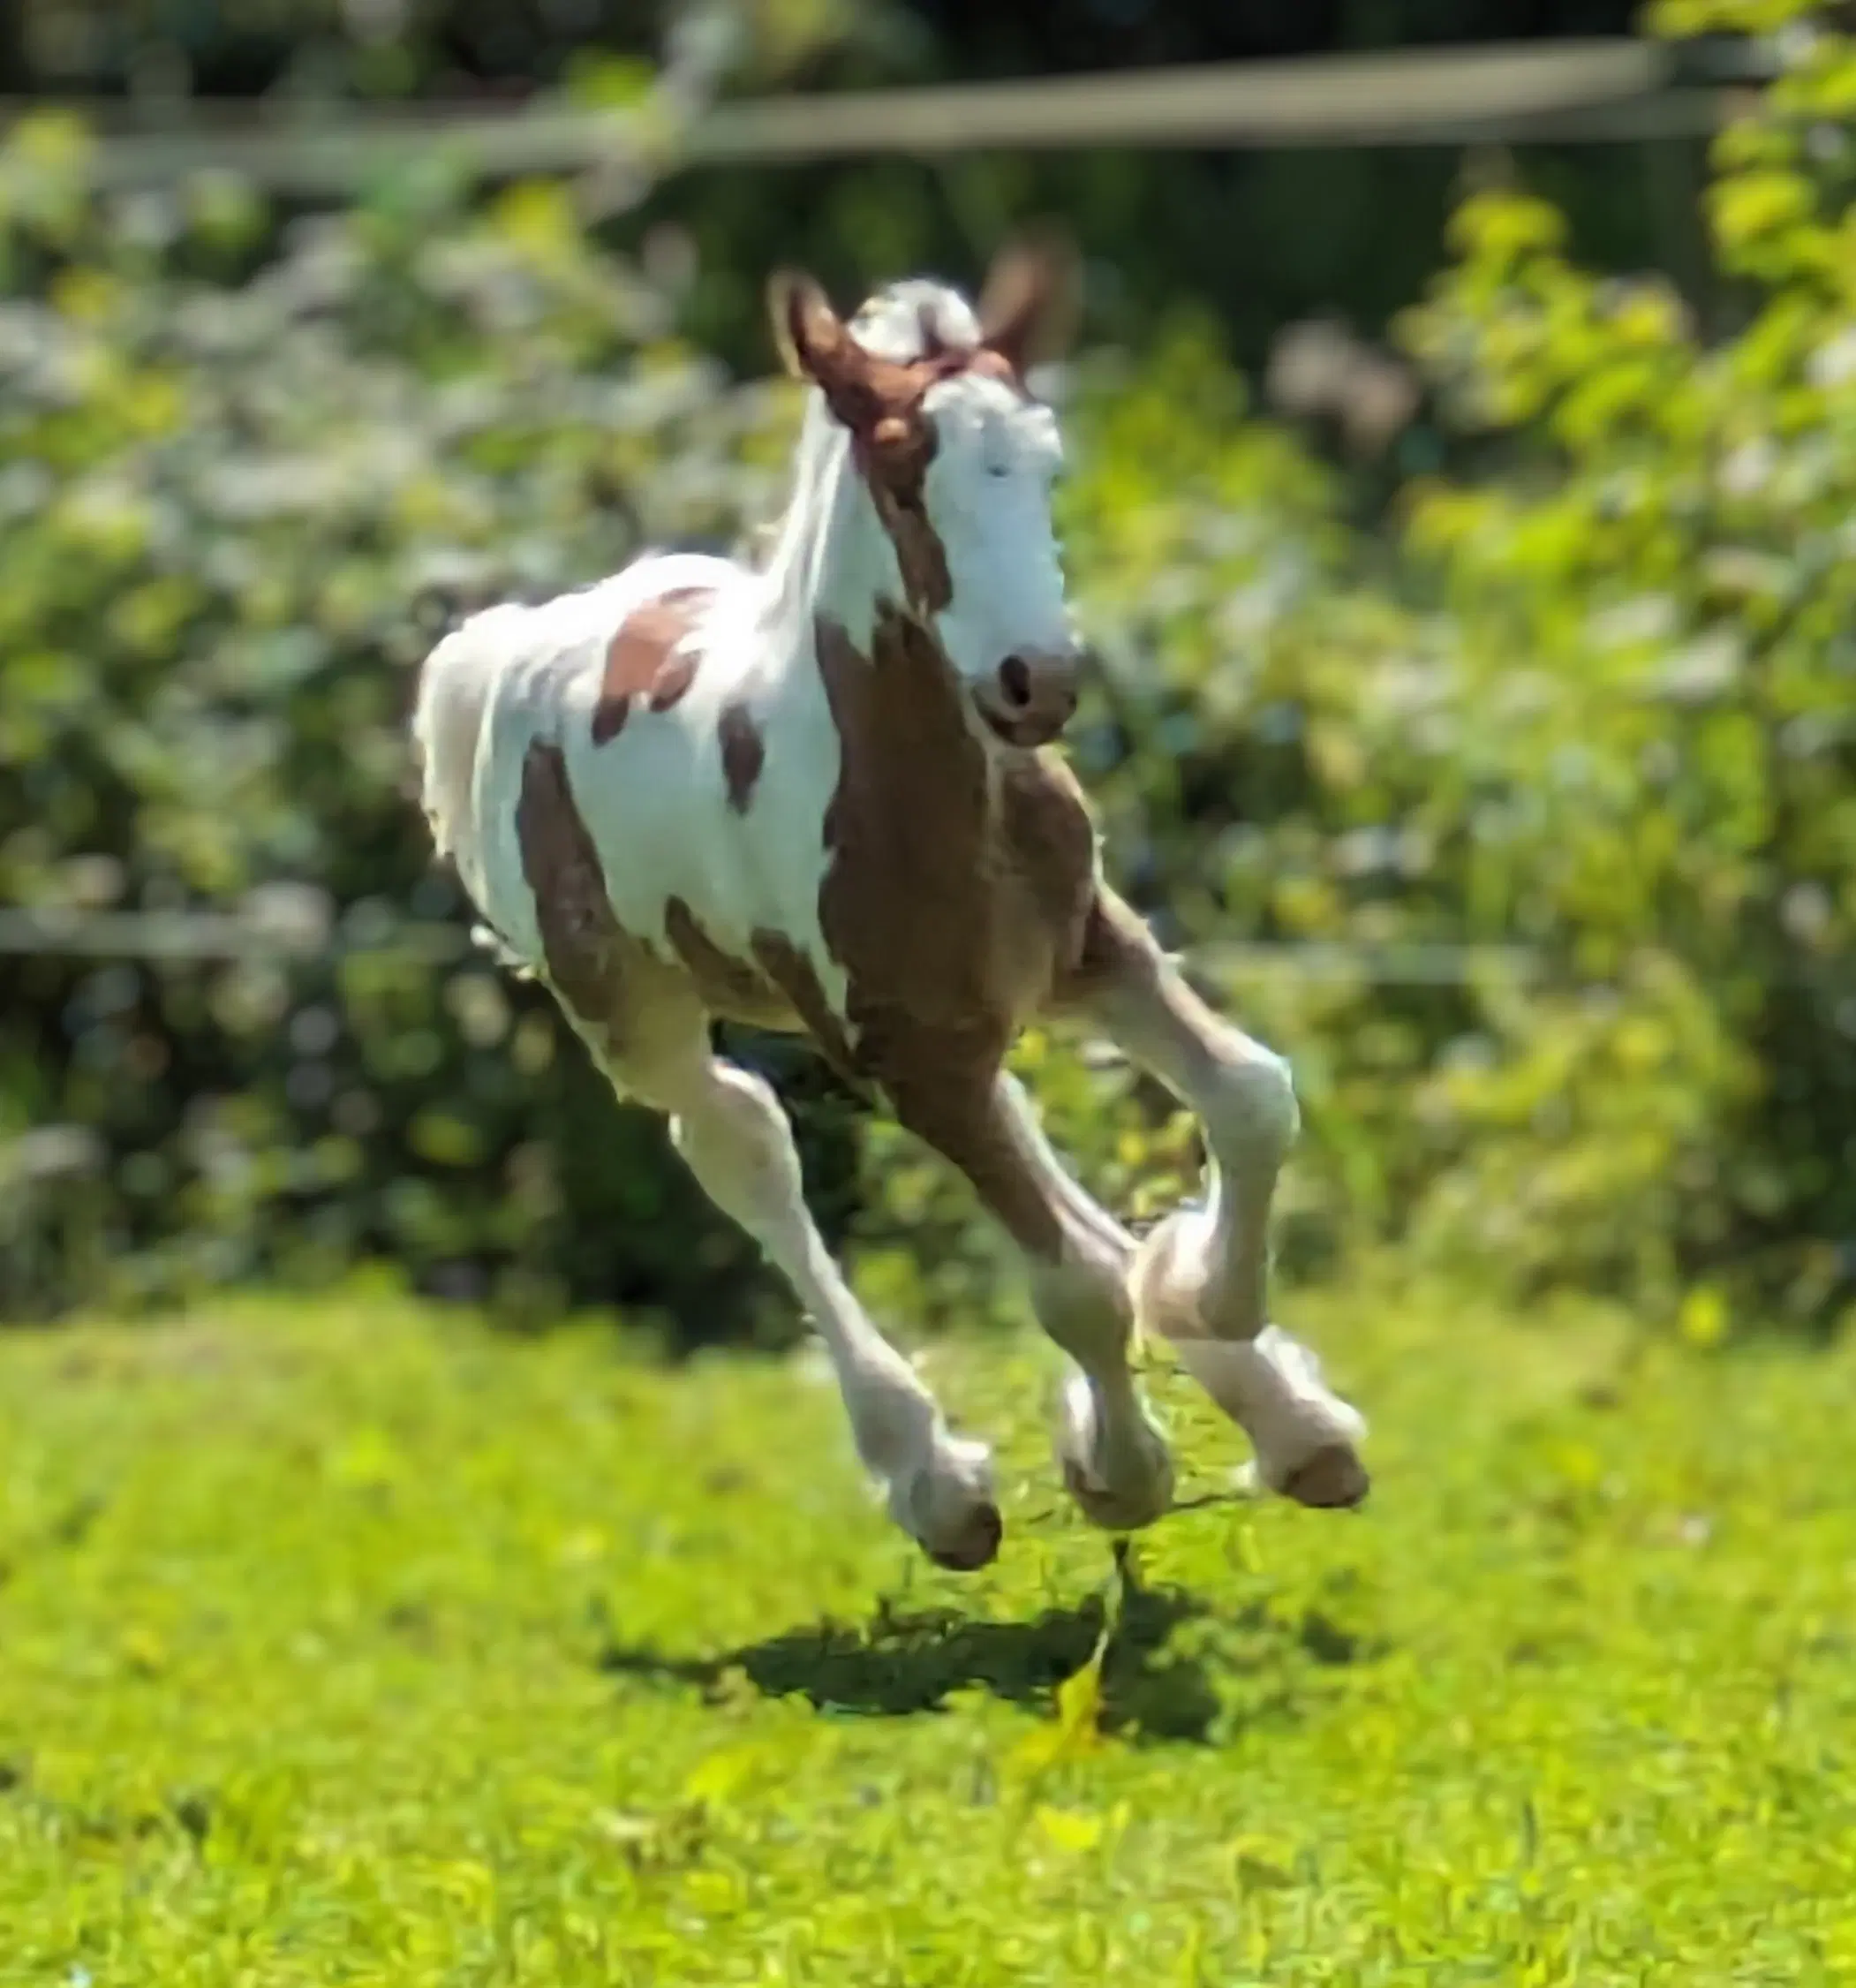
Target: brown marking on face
(639, 661)
(892, 443)
(893, 459)
(989, 364)
(743, 753)
(581, 940)
(1026, 311)
(956, 898)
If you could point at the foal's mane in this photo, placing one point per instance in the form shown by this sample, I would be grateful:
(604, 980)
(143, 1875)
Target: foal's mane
(915, 319)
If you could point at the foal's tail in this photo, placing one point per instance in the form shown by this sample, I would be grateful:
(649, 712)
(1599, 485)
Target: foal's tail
(454, 730)
(451, 721)
(457, 682)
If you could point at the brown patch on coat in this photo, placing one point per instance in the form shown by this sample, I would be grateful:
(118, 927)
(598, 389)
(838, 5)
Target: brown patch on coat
(1046, 825)
(945, 1105)
(958, 899)
(1122, 963)
(670, 682)
(582, 943)
(794, 974)
(743, 753)
(641, 1009)
(1117, 947)
(614, 987)
(640, 663)
(733, 989)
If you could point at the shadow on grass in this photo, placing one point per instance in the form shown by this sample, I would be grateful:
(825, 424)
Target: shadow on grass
(901, 1664)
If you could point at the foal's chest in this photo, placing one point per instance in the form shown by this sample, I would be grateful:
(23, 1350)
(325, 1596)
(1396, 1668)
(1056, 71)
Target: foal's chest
(960, 879)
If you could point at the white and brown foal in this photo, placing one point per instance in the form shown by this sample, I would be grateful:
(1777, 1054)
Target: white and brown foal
(812, 797)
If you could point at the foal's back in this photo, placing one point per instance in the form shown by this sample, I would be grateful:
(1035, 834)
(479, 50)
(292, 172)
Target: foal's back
(697, 775)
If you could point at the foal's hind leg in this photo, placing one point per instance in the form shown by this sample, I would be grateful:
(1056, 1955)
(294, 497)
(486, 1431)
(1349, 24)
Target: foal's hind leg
(1115, 1460)
(1201, 1277)
(733, 1136)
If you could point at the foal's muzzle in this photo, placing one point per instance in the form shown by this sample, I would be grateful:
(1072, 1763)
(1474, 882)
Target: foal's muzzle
(1032, 696)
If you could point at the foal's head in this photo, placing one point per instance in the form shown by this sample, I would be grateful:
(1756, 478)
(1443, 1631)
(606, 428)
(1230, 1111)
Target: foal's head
(959, 460)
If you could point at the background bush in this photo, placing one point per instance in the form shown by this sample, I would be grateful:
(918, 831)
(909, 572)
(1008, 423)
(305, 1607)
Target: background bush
(1589, 699)
(1594, 703)
(242, 484)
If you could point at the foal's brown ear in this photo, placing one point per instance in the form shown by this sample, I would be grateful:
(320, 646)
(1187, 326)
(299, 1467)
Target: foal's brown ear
(809, 334)
(816, 345)
(1032, 297)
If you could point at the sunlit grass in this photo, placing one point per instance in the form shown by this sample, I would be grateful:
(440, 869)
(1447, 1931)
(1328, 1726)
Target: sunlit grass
(359, 1645)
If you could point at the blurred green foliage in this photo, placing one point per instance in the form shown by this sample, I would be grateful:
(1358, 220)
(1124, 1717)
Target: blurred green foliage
(1592, 702)
(1653, 606)
(227, 490)
(1298, 230)
(1596, 703)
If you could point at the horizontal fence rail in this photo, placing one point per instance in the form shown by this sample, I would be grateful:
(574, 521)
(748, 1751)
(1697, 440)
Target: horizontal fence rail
(291, 936)
(1602, 90)
(210, 938)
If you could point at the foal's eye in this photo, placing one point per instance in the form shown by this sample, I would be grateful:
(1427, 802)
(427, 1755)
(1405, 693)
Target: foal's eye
(998, 470)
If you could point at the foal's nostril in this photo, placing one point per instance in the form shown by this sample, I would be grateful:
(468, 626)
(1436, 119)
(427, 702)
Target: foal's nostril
(1030, 697)
(1015, 678)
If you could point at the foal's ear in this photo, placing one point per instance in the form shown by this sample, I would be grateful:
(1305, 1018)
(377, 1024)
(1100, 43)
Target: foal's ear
(1032, 297)
(816, 345)
(809, 334)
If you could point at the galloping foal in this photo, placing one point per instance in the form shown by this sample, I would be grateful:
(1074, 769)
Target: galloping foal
(812, 797)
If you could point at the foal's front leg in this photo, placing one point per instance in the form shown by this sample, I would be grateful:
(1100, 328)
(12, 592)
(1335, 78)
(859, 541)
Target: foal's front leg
(1114, 1459)
(1201, 1277)
(735, 1139)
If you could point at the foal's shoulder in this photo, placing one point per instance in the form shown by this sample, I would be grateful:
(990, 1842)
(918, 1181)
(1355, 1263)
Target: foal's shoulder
(1042, 800)
(1051, 843)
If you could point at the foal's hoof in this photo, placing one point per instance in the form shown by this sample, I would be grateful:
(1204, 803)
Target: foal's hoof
(1332, 1480)
(1127, 1511)
(1144, 1493)
(975, 1547)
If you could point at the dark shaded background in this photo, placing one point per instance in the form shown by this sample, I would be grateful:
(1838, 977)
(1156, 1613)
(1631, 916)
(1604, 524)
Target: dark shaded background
(1260, 239)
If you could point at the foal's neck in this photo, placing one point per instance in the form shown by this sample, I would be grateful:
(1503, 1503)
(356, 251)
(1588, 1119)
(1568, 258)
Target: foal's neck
(831, 556)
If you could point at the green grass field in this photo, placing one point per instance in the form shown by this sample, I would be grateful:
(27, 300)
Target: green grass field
(356, 1643)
